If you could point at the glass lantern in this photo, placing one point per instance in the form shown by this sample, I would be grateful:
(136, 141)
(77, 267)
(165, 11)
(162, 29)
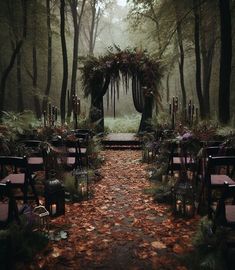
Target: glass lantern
(54, 197)
(81, 184)
(183, 200)
(41, 218)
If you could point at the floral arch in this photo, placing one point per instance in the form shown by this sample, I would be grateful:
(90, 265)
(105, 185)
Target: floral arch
(103, 75)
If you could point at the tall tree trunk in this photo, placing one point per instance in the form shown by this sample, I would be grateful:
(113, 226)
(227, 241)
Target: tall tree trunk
(145, 122)
(207, 58)
(181, 67)
(20, 102)
(16, 51)
(5, 75)
(168, 87)
(92, 29)
(225, 61)
(198, 57)
(207, 51)
(77, 25)
(49, 56)
(37, 104)
(65, 61)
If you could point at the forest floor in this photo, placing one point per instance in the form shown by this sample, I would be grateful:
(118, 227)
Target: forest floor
(121, 227)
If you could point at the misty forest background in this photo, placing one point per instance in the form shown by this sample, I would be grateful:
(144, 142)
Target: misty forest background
(42, 43)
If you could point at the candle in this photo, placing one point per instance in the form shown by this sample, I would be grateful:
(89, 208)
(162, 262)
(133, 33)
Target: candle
(83, 190)
(53, 115)
(75, 105)
(176, 175)
(164, 178)
(178, 205)
(49, 113)
(196, 114)
(44, 117)
(170, 108)
(188, 209)
(78, 106)
(190, 175)
(56, 113)
(53, 209)
(176, 103)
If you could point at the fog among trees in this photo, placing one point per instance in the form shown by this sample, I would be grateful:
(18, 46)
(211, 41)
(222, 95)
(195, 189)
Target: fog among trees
(42, 43)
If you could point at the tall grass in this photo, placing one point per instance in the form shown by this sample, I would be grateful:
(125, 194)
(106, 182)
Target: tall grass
(124, 124)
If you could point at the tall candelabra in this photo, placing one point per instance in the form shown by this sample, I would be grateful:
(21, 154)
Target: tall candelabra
(50, 115)
(76, 110)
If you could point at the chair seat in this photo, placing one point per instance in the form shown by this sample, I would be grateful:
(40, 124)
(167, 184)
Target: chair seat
(15, 178)
(220, 179)
(35, 161)
(4, 211)
(230, 213)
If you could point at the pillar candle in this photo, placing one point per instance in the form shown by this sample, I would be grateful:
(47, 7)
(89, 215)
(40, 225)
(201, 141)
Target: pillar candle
(78, 106)
(44, 118)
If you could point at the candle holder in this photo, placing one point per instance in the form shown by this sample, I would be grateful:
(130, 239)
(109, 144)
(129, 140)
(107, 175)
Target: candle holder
(183, 200)
(173, 108)
(41, 218)
(76, 110)
(54, 196)
(81, 184)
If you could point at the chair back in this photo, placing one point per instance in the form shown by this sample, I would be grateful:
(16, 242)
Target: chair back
(227, 198)
(12, 165)
(224, 164)
(219, 151)
(74, 144)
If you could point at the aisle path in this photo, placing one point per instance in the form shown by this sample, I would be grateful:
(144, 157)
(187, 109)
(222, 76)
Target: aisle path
(121, 227)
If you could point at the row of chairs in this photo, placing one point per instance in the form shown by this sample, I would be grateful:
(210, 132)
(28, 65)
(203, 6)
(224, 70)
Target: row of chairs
(214, 173)
(20, 173)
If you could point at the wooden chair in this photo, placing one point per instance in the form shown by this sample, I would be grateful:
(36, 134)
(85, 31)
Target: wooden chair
(180, 159)
(15, 169)
(8, 206)
(65, 153)
(36, 155)
(213, 151)
(74, 153)
(225, 209)
(219, 171)
(224, 218)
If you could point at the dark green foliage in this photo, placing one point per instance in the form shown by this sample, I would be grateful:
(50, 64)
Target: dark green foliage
(19, 244)
(209, 249)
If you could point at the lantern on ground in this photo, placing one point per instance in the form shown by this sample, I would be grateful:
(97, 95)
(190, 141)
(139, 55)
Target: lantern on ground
(81, 183)
(41, 218)
(183, 200)
(54, 197)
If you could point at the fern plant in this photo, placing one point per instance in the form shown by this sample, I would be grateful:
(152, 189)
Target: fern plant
(19, 123)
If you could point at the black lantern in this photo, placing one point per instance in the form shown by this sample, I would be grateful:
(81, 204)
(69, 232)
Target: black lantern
(183, 199)
(81, 183)
(55, 197)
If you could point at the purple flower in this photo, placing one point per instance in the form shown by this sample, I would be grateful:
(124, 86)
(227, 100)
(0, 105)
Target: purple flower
(187, 136)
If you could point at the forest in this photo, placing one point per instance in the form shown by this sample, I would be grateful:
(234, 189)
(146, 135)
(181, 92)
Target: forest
(43, 43)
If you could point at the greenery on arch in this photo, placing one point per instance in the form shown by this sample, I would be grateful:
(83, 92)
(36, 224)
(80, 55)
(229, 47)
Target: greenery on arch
(103, 74)
(128, 63)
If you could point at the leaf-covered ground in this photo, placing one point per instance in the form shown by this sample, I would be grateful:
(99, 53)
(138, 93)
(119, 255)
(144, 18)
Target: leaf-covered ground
(121, 227)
